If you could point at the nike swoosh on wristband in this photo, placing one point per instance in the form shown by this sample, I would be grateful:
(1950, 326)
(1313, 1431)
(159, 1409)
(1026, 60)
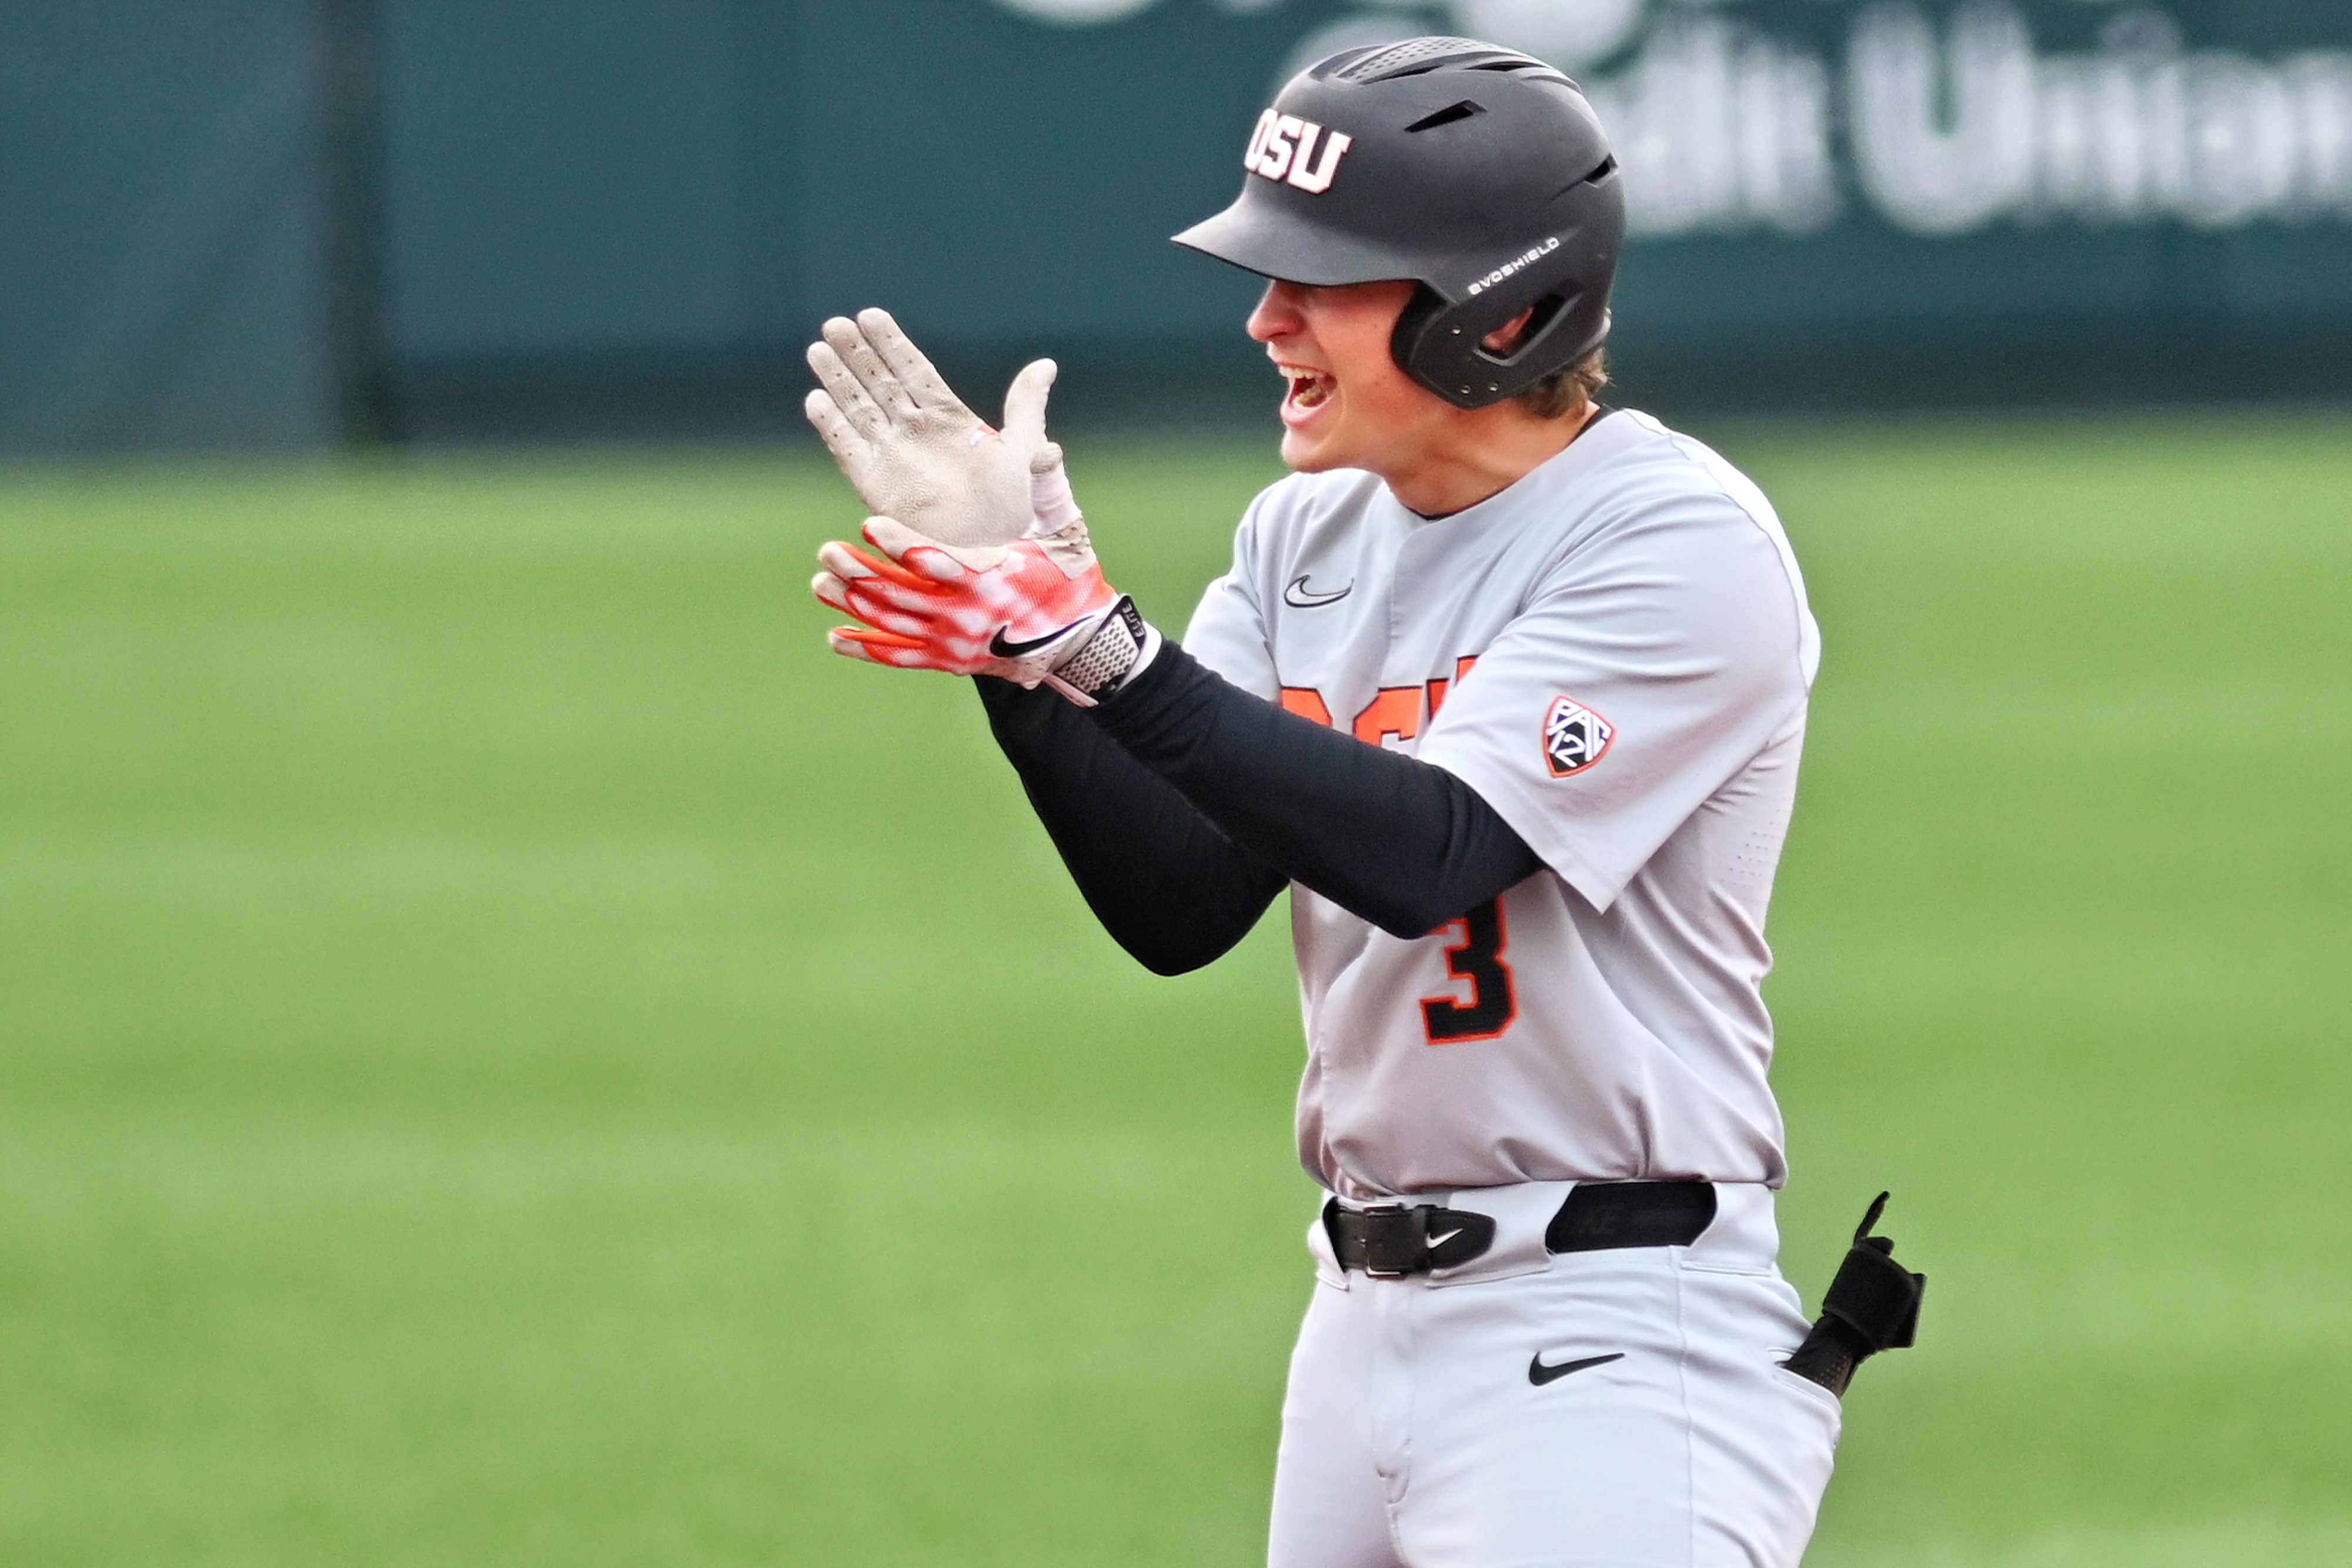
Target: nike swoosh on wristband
(1298, 596)
(1006, 650)
(1540, 1374)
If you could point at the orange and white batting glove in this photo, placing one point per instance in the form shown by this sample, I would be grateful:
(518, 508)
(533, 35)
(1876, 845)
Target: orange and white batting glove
(1033, 611)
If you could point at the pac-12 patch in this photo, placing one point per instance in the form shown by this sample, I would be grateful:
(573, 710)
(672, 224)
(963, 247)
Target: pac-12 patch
(1574, 737)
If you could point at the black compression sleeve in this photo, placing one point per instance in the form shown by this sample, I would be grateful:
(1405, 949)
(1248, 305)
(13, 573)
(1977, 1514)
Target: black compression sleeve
(1167, 886)
(1398, 842)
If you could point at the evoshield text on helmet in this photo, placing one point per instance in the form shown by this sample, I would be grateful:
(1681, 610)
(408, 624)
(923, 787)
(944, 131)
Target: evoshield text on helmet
(1478, 173)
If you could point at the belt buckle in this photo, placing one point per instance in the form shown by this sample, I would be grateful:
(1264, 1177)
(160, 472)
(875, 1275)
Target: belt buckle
(1393, 1249)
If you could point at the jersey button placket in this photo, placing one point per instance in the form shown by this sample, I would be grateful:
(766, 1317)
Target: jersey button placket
(1411, 551)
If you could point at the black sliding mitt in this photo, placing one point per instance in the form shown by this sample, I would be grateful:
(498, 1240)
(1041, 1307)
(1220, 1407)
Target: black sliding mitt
(1871, 1305)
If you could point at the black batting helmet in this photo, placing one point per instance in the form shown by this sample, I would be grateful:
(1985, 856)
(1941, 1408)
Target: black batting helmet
(1479, 172)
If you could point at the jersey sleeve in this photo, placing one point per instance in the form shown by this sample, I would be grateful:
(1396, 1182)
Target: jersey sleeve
(1228, 631)
(1649, 664)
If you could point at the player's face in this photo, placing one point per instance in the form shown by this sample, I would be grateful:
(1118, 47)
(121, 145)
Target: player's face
(1348, 404)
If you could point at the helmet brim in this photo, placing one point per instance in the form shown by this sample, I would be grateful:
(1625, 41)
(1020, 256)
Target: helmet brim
(1275, 246)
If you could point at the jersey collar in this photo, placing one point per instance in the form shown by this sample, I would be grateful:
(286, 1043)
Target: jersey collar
(1607, 433)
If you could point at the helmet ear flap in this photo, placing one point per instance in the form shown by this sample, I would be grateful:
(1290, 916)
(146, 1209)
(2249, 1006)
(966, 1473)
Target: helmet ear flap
(1412, 324)
(1441, 346)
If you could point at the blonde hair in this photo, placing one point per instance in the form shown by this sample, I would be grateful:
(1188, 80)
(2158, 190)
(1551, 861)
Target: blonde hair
(1566, 392)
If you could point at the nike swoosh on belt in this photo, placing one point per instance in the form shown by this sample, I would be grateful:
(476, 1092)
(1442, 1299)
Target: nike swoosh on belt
(1298, 596)
(1540, 1374)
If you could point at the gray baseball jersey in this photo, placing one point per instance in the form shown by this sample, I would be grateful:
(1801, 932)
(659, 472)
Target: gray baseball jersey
(1615, 653)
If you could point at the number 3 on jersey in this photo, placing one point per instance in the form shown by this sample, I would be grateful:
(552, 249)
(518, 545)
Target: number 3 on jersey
(1477, 961)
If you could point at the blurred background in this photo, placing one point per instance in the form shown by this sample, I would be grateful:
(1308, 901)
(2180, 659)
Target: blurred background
(292, 222)
(510, 1053)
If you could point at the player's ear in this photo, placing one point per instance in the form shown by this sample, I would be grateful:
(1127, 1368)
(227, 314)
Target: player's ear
(1505, 338)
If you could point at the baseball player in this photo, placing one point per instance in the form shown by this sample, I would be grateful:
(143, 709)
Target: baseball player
(1507, 689)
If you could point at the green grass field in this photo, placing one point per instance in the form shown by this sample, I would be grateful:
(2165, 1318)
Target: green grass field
(505, 1058)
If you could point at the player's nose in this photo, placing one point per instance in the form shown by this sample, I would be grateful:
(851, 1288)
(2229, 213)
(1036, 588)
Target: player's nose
(1277, 314)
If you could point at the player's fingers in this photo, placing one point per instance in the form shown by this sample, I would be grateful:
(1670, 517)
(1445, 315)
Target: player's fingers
(849, 563)
(846, 561)
(845, 641)
(848, 391)
(850, 450)
(896, 609)
(1024, 403)
(831, 591)
(848, 647)
(871, 595)
(917, 552)
(874, 639)
(1050, 501)
(889, 394)
(878, 648)
(904, 613)
(915, 371)
(909, 611)
(877, 604)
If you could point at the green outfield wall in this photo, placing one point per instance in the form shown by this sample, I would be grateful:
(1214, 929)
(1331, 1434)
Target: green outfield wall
(161, 247)
(262, 223)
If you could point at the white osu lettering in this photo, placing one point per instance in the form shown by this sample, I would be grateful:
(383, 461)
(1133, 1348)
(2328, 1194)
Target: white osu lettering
(1283, 148)
(1275, 161)
(1318, 181)
(1258, 139)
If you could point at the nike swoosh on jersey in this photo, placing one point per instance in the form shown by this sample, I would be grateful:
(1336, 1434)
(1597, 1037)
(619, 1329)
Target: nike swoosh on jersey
(1298, 596)
(1003, 649)
(1540, 1374)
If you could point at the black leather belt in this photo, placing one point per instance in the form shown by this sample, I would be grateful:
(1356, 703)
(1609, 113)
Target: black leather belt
(1390, 1240)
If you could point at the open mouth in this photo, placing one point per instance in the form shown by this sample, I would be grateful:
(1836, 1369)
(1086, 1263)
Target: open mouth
(1309, 389)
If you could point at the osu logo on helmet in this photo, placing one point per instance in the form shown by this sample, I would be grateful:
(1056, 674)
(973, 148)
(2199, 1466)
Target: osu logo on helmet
(1283, 148)
(1574, 737)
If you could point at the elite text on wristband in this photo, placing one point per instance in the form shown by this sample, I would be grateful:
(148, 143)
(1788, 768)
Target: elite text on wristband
(1120, 646)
